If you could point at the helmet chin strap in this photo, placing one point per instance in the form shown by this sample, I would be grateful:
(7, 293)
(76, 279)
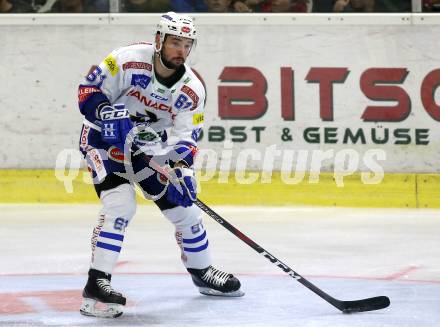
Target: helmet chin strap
(165, 64)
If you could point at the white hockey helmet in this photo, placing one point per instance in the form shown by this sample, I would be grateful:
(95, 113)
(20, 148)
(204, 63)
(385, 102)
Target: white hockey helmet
(175, 24)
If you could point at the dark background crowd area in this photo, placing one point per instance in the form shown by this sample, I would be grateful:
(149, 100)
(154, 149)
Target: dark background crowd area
(214, 6)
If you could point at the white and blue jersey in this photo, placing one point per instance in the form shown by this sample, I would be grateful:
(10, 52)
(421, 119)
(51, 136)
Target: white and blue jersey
(127, 76)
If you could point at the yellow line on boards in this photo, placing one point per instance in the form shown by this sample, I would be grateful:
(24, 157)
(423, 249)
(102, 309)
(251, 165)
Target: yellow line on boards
(251, 188)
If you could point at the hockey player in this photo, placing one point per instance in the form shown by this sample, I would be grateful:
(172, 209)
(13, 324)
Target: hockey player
(147, 89)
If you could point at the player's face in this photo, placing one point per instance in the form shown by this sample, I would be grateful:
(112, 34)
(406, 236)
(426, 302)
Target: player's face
(176, 49)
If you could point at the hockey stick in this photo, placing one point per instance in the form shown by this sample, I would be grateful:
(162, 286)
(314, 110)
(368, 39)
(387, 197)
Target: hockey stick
(369, 304)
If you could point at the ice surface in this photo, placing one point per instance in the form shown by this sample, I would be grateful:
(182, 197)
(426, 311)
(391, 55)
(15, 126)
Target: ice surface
(349, 253)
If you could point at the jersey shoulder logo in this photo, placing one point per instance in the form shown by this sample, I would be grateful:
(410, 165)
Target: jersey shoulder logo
(198, 119)
(111, 64)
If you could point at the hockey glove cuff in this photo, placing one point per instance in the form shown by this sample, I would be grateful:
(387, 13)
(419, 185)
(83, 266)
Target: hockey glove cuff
(116, 125)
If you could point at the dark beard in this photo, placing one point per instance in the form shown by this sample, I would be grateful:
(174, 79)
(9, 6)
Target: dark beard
(168, 64)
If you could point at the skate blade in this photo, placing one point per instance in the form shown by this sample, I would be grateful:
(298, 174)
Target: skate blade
(211, 292)
(112, 310)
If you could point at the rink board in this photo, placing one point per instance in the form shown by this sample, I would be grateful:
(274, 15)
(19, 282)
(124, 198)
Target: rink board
(395, 190)
(403, 44)
(384, 97)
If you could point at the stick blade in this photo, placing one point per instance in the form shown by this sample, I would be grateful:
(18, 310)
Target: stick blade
(370, 304)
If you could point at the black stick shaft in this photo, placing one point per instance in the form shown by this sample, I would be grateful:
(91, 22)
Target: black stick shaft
(369, 304)
(285, 268)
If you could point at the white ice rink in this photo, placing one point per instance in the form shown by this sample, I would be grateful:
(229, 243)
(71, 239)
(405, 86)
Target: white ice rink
(349, 253)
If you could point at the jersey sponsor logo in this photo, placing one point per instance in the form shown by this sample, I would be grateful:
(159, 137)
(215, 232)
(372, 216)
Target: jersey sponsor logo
(84, 143)
(95, 234)
(186, 81)
(179, 240)
(158, 97)
(148, 137)
(196, 134)
(120, 224)
(195, 229)
(86, 91)
(198, 119)
(137, 65)
(148, 102)
(152, 117)
(114, 114)
(190, 92)
(140, 80)
(95, 160)
(111, 64)
(115, 154)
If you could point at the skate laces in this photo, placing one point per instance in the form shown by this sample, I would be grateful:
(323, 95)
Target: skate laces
(215, 276)
(104, 284)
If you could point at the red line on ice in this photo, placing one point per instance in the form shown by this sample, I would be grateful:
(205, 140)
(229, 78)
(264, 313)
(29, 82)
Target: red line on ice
(401, 273)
